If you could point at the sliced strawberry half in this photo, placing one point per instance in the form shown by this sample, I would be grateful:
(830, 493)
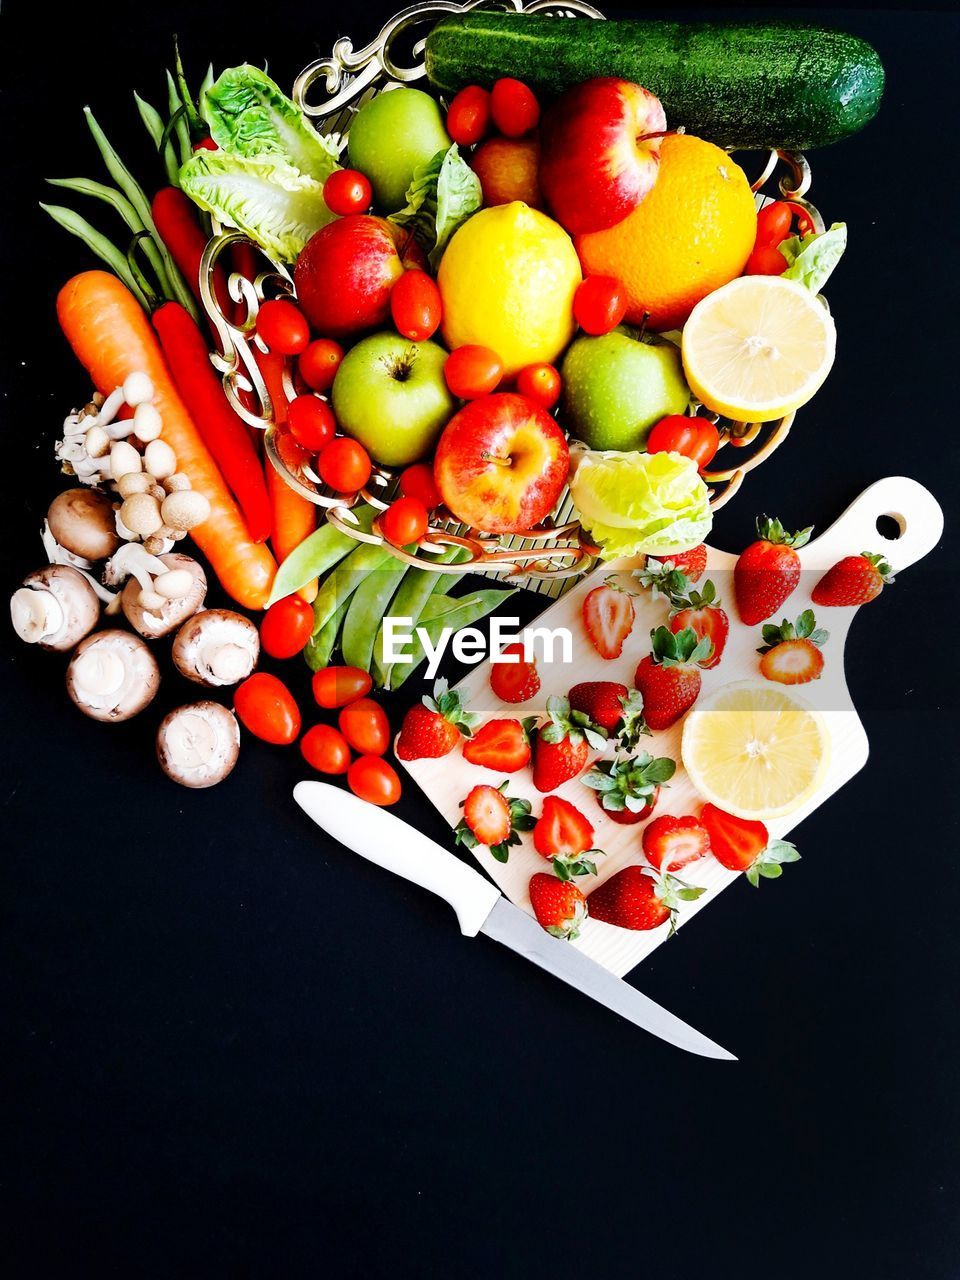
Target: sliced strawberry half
(565, 835)
(501, 745)
(791, 651)
(670, 843)
(608, 616)
(742, 844)
(516, 680)
(493, 818)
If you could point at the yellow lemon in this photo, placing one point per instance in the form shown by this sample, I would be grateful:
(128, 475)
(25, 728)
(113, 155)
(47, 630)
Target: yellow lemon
(507, 281)
(756, 750)
(758, 348)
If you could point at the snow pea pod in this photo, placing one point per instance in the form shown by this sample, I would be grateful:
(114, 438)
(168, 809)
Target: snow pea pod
(320, 646)
(316, 556)
(368, 604)
(441, 613)
(344, 580)
(416, 589)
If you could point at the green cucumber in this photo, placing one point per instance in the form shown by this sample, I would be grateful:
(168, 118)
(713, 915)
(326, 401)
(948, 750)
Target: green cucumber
(748, 85)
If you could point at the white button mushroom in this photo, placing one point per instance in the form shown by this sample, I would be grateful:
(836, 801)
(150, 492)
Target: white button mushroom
(55, 608)
(147, 423)
(159, 459)
(112, 676)
(137, 389)
(198, 745)
(217, 647)
(82, 521)
(162, 618)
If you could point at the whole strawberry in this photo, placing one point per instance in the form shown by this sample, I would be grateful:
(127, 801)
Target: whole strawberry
(493, 818)
(434, 726)
(669, 677)
(628, 788)
(640, 898)
(853, 580)
(662, 575)
(601, 700)
(559, 905)
(768, 570)
(701, 611)
(563, 745)
(791, 651)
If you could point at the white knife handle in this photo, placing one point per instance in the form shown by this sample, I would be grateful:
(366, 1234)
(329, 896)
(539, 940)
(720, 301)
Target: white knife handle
(391, 843)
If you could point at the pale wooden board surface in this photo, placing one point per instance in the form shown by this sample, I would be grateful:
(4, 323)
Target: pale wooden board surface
(446, 781)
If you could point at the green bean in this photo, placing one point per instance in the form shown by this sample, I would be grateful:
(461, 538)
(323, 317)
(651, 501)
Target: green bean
(369, 603)
(412, 594)
(153, 121)
(182, 129)
(99, 244)
(315, 556)
(442, 613)
(343, 581)
(320, 647)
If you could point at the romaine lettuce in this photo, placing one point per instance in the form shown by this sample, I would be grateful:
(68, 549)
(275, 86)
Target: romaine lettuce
(443, 194)
(811, 260)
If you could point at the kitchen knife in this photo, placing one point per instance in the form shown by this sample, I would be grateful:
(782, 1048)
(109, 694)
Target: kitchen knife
(393, 844)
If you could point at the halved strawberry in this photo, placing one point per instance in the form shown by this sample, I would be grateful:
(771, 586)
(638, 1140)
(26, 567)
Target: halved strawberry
(768, 571)
(791, 651)
(701, 611)
(608, 616)
(563, 744)
(515, 681)
(559, 905)
(853, 580)
(640, 898)
(501, 745)
(670, 843)
(435, 726)
(740, 844)
(627, 789)
(669, 678)
(493, 818)
(565, 835)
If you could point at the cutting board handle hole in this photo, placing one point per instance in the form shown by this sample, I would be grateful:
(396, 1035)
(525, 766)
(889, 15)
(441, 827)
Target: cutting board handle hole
(891, 526)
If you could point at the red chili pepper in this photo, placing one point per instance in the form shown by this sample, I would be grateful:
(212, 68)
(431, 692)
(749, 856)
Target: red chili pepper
(223, 431)
(180, 230)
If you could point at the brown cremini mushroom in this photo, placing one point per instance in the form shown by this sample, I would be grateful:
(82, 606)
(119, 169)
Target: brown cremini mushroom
(54, 608)
(153, 612)
(198, 745)
(82, 521)
(217, 647)
(112, 676)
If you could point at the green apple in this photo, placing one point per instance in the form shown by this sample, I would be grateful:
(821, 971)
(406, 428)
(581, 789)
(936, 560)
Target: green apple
(391, 135)
(616, 387)
(391, 395)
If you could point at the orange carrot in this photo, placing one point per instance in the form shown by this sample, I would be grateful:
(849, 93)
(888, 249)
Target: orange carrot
(112, 338)
(293, 516)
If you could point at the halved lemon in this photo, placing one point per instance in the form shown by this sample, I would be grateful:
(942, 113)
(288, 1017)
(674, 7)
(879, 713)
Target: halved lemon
(755, 750)
(758, 348)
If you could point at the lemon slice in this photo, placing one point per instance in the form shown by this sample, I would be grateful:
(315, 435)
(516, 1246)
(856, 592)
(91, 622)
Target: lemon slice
(755, 750)
(758, 348)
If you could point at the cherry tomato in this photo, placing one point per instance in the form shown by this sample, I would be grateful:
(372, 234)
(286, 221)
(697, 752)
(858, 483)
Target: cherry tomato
(599, 304)
(418, 482)
(337, 686)
(373, 780)
(319, 363)
(472, 371)
(365, 726)
(415, 306)
(695, 438)
(765, 261)
(344, 465)
(468, 117)
(266, 708)
(325, 749)
(773, 223)
(404, 521)
(514, 107)
(286, 627)
(540, 383)
(311, 422)
(347, 191)
(283, 327)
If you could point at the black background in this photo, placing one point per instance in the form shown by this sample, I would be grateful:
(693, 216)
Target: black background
(233, 1049)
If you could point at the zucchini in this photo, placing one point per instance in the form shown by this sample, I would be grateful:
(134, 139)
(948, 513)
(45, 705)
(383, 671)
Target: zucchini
(746, 85)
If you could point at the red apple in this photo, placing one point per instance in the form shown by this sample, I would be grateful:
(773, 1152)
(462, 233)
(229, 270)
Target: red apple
(501, 463)
(346, 271)
(507, 169)
(600, 152)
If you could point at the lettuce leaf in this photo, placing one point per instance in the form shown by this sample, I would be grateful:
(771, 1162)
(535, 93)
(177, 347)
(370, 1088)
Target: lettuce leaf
(443, 194)
(640, 503)
(250, 117)
(811, 260)
(271, 202)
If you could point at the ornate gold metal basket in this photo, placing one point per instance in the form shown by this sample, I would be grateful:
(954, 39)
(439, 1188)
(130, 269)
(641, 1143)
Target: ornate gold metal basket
(547, 558)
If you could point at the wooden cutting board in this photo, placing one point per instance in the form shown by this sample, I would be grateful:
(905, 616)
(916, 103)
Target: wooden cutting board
(447, 781)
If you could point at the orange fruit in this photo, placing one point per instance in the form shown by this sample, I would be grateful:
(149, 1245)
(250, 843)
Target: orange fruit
(692, 234)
